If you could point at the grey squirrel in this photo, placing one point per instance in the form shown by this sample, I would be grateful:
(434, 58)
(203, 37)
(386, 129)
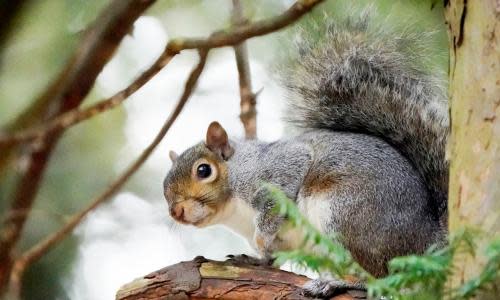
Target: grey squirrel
(368, 166)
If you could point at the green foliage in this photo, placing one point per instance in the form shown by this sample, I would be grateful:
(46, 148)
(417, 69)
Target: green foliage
(410, 277)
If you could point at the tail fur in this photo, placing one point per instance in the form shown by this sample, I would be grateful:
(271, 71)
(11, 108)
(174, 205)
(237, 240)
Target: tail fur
(359, 78)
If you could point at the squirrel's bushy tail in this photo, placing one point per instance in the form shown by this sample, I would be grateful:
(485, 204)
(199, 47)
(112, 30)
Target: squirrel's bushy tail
(361, 79)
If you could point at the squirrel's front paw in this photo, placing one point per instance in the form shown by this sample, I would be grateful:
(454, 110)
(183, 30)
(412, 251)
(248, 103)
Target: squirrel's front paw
(326, 288)
(250, 260)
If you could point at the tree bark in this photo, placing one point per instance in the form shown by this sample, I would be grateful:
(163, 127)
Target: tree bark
(474, 195)
(205, 279)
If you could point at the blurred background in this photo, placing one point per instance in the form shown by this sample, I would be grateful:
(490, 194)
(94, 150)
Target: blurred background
(132, 234)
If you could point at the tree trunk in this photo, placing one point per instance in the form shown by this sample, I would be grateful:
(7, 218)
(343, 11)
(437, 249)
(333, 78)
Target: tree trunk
(474, 198)
(205, 279)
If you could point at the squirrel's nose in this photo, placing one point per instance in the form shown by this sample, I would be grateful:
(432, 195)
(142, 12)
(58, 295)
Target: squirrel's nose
(178, 212)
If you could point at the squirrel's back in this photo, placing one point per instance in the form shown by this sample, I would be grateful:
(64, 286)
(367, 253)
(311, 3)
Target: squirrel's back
(370, 80)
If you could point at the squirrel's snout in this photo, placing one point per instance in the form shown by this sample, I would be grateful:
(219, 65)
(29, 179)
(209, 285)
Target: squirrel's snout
(190, 211)
(177, 212)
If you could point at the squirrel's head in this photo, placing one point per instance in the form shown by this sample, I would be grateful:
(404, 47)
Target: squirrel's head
(196, 187)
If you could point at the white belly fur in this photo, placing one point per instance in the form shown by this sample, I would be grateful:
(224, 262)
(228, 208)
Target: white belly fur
(316, 209)
(239, 216)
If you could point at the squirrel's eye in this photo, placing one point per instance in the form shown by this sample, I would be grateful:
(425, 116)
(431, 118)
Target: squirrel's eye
(203, 171)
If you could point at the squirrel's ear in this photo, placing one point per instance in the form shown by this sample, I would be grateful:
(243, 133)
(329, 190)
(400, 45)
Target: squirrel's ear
(173, 156)
(217, 140)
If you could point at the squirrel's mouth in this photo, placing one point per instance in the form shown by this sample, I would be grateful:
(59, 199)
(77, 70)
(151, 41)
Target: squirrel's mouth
(192, 212)
(198, 223)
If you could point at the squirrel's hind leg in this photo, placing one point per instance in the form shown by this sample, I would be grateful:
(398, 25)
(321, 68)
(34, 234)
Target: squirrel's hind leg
(326, 288)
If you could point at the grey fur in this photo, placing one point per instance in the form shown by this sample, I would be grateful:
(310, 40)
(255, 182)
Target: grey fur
(283, 163)
(365, 78)
(376, 126)
(379, 203)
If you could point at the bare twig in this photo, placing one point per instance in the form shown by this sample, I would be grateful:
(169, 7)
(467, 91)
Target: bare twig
(75, 81)
(244, 32)
(248, 98)
(50, 136)
(40, 212)
(216, 40)
(66, 93)
(77, 115)
(39, 249)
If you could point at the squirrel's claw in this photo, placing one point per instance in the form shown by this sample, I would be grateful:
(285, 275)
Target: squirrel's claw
(249, 260)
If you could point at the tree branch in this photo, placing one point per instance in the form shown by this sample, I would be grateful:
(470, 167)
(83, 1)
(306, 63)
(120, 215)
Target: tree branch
(66, 93)
(78, 115)
(39, 249)
(98, 45)
(244, 32)
(207, 279)
(8, 12)
(216, 40)
(248, 98)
